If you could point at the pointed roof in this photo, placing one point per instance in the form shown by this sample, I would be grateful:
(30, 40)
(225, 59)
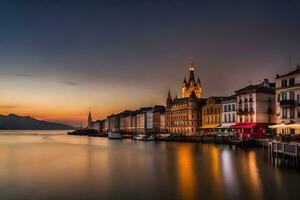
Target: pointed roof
(90, 120)
(184, 81)
(198, 81)
(192, 76)
(169, 95)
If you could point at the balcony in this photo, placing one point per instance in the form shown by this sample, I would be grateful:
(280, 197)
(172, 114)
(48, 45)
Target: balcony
(287, 103)
(246, 111)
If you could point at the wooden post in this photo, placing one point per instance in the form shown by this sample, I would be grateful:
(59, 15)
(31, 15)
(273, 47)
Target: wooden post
(276, 153)
(296, 155)
(283, 152)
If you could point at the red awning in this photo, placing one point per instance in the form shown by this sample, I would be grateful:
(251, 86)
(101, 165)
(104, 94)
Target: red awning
(243, 125)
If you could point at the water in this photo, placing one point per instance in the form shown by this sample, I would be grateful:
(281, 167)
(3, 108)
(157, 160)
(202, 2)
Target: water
(52, 165)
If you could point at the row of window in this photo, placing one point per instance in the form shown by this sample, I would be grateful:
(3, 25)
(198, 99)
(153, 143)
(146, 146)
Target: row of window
(229, 108)
(284, 113)
(287, 96)
(288, 82)
(211, 110)
(212, 120)
(246, 99)
(185, 123)
(246, 119)
(246, 106)
(229, 118)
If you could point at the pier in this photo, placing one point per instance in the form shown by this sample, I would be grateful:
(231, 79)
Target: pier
(283, 153)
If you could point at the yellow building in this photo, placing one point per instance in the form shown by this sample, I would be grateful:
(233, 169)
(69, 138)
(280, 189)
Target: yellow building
(211, 115)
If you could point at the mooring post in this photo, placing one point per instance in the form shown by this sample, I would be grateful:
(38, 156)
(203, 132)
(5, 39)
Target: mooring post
(276, 153)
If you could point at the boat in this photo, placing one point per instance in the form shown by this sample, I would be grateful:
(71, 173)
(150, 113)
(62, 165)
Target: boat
(139, 137)
(143, 137)
(115, 135)
(89, 132)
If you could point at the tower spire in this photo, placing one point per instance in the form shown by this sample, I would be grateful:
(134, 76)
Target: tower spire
(169, 100)
(191, 66)
(192, 76)
(90, 120)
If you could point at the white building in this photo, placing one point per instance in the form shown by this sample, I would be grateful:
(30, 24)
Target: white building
(106, 125)
(141, 122)
(229, 115)
(255, 109)
(288, 102)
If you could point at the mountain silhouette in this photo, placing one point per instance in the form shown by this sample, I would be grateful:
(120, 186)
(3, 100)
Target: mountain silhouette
(16, 122)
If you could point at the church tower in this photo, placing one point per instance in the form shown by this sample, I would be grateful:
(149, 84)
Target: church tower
(90, 120)
(191, 85)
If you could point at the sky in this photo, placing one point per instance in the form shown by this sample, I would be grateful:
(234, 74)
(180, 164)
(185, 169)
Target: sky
(58, 59)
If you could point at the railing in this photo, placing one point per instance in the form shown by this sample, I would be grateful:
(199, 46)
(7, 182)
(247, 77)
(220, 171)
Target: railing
(246, 111)
(280, 150)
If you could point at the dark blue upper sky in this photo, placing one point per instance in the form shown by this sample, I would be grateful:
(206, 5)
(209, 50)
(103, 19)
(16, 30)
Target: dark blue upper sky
(146, 45)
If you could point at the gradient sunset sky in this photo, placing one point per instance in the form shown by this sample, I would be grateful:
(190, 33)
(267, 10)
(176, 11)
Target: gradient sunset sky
(58, 58)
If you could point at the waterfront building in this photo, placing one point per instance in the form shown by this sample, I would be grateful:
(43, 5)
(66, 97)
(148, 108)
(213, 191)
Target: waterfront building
(125, 124)
(149, 119)
(183, 115)
(101, 125)
(141, 121)
(106, 125)
(211, 115)
(134, 121)
(157, 111)
(288, 102)
(94, 125)
(229, 115)
(162, 127)
(113, 121)
(256, 106)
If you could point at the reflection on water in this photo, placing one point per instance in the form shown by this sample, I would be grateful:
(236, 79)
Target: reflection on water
(56, 166)
(254, 175)
(187, 172)
(229, 172)
(216, 170)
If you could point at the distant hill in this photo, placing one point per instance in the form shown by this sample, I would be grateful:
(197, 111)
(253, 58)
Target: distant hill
(15, 122)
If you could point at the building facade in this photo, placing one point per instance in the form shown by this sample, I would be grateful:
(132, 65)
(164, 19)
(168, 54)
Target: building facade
(183, 115)
(211, 115)
(125, 121)
(113, 121)
(229, 115)
(256, 109)
(288, 102)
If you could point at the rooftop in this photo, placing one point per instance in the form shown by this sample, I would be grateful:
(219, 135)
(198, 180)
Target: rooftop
(296, 71)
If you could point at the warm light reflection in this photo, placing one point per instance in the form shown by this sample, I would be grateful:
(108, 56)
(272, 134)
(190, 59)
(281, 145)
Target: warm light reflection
(228, 171)
(187, 172)
(216, 169)
(253, 172)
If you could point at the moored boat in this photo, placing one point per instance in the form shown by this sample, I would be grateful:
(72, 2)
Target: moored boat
(115, 135)
(143, 137)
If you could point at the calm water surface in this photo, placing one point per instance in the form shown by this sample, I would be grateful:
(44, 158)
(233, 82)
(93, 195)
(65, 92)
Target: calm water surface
(52, 165)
